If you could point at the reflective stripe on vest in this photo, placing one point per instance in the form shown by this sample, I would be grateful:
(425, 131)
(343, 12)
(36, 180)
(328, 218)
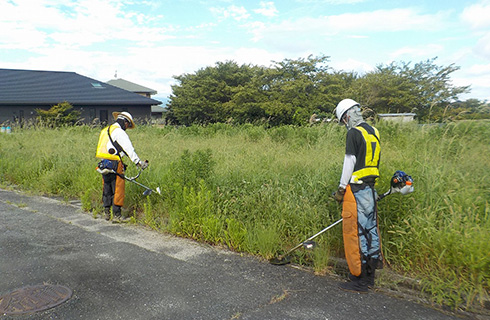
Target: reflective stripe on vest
(371, 162)
(102, 152)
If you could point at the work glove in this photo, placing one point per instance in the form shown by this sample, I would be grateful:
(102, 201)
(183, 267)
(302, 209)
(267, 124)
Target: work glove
(339, 195)
(143, 164)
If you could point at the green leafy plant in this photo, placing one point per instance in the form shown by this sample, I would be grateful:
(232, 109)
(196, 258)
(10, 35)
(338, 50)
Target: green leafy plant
(58, 115)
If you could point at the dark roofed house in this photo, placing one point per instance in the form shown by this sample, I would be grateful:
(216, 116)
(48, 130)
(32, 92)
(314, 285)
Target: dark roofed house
(23, 91)
(156, 110)
(133, 87)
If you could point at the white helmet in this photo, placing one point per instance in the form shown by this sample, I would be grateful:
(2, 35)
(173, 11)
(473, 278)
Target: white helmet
(126, 116)
(343, 106)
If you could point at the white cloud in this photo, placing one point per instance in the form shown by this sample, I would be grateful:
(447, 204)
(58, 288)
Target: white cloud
(385, 21)
(43, 23)
(478, 76)
(357, 37)
(480, 69)
(97, 37)
(337, 2)
(477, 15)
(422, 51)
(267, 9)
(255, 56)
(234, 12)
(21, 37)
(352, 65)
(359, 23)
(483, 46)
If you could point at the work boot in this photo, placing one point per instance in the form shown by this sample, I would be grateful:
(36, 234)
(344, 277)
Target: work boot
(356, 284)
(116, 214)
(371, 266)
(370, 278)
(359, 286)
(353, 277)
(107, 213)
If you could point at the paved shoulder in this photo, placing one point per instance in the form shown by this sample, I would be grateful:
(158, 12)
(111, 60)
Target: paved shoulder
(129, 272)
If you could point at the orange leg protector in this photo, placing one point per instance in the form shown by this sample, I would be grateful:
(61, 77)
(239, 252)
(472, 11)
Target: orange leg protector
(350, 233)
(120, 186)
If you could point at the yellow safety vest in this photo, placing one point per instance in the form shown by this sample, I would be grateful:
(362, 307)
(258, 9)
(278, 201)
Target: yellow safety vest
(102, 152)
(371, 162)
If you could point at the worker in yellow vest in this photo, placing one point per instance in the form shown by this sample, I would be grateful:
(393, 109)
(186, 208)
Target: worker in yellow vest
(362, 243)
(113, 145)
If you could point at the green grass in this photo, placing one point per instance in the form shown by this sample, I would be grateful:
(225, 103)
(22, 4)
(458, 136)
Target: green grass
(263, 191)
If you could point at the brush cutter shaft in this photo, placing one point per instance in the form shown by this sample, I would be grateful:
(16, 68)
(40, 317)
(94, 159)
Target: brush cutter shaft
(319, 233)
(314, 236)
(148, 190)
(133, 180)
(334, 224)
(141, 185)
(387, 193)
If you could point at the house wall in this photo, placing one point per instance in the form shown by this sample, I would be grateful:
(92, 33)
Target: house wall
(398, 118)
(11, 115)
(90, 114)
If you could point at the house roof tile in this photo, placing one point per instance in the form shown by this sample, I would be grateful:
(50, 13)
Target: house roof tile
(23, 87)
(131, 86)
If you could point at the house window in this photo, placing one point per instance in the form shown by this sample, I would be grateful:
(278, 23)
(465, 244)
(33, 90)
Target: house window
(97, 85)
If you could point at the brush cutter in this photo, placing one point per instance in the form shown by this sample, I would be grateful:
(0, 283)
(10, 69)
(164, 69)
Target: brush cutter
(400, 182)
(147, 191)
(105, 170)
(308, 244)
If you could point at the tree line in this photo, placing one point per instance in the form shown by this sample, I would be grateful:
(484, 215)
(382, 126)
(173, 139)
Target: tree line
(291, 91)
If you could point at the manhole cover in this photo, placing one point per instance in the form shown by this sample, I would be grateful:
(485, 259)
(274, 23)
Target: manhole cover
(33, 299)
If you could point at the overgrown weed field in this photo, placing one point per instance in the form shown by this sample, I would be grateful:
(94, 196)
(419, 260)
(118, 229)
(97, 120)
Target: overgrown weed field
(263, 190)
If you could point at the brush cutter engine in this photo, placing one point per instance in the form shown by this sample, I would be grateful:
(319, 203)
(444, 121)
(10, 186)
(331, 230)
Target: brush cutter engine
(401, 182)
(106, 166)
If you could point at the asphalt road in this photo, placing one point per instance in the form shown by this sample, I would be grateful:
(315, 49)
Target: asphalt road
(119, 271)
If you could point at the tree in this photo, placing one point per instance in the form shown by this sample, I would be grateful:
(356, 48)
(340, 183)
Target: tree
(386, 90)
(469, 109)
(290, 91)
(295, 89)
(433, 86)
(398, 87)
(58, 115)
(206, 96)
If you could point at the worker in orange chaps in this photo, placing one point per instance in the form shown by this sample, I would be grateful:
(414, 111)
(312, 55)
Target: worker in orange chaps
(362, 243)
(113, 145)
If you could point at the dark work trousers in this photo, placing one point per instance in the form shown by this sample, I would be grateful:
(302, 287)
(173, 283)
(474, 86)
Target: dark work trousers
(113, 191)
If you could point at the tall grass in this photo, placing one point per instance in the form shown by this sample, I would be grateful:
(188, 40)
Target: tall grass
(263, 190)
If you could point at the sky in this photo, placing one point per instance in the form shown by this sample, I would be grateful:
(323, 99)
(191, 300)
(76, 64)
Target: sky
(148, 42)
